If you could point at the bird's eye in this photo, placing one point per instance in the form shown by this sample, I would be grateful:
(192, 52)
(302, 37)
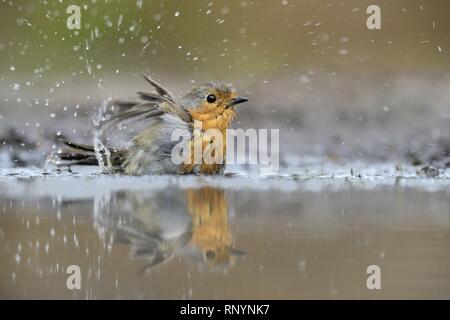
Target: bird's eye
(210, 255)
(211, 98)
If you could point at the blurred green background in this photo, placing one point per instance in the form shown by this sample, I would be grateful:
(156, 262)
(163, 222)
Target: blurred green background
(234, 39)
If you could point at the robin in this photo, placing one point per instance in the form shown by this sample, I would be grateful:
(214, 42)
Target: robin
(209, 106)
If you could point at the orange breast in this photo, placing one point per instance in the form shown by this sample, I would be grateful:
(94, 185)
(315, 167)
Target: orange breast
(207, 140)
(213, 153)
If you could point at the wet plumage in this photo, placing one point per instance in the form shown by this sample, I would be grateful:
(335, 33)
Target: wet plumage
(209, 106)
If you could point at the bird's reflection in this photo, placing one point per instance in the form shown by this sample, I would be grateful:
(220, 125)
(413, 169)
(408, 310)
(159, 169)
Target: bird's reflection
(161, 224)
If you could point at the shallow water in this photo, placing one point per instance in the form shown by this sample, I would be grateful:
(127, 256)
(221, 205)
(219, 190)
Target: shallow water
(309, 234)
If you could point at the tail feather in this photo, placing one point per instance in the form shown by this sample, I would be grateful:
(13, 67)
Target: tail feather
(72, 156)
(78, 146)
(82, 154)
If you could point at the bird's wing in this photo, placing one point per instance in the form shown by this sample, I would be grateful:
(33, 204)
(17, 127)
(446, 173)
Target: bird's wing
(151, 105)
(164, 93)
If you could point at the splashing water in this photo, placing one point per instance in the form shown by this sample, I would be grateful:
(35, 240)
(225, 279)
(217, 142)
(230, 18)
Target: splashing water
(102, 153)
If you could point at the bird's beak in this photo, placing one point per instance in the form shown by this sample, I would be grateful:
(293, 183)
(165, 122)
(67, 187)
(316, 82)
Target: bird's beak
(236, 101)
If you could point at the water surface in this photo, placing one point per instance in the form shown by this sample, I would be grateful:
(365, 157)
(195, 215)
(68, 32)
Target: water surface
(279, 237)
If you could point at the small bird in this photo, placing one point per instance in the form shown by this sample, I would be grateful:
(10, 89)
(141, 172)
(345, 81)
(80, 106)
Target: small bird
(209, 106)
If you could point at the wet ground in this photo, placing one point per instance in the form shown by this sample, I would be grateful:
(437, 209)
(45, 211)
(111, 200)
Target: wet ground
(309, 233)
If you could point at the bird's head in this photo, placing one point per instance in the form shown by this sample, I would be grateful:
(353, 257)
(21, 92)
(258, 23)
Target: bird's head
(212, 101)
